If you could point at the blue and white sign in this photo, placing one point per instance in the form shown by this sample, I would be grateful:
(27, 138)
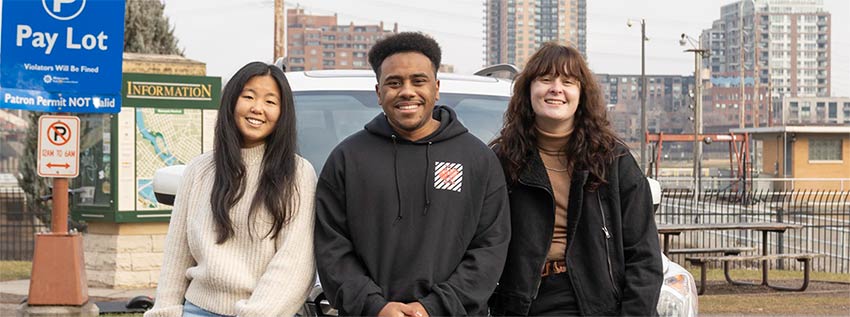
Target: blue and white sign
(61, 55)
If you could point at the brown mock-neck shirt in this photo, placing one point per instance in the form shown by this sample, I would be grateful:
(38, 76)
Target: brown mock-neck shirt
(551, 149)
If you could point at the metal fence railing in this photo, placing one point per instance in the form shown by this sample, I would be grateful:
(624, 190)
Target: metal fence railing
(758, 183)
(18, 225)
(824, 215)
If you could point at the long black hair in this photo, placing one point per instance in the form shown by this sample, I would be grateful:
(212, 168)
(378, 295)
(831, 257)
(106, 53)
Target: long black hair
(593, 140)
(277, 188)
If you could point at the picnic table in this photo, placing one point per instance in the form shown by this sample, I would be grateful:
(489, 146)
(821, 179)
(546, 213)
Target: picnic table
(669, 230)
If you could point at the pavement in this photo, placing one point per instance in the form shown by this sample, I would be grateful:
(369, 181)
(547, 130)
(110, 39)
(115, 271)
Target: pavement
(22, 287)
(13, 292)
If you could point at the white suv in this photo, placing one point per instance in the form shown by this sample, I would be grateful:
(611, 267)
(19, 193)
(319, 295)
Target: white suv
(333, 104)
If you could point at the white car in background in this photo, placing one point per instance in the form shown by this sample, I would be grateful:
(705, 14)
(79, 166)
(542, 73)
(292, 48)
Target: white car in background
(333, 104)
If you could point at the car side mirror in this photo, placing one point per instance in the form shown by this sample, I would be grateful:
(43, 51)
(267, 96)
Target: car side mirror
(655, 188)
(166, 182)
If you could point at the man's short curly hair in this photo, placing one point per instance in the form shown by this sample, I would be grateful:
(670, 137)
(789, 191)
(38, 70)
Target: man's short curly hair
(404, 42)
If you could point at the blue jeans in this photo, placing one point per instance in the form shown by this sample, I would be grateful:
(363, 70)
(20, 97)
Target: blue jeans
(190, 310)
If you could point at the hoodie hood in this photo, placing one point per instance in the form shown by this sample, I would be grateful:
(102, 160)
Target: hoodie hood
(449, 128)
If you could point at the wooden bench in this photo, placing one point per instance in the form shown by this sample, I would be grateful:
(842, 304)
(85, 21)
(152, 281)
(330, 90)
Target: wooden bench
(806, 258)
(724, 251)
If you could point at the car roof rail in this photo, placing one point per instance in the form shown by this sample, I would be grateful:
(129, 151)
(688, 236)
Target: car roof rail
(492, 69)
(280, 64)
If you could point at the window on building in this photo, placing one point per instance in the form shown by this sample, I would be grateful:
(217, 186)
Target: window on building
(825, 149)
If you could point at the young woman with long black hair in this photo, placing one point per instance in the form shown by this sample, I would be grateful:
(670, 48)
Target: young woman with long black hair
(240, 241)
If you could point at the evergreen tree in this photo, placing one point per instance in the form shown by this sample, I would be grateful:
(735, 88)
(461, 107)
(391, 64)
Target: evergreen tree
(146, 30)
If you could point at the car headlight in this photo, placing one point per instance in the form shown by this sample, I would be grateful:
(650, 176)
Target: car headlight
(678, 292)
(678, 296)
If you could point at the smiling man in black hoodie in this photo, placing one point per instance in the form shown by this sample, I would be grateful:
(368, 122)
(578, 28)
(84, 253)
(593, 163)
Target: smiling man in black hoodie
(411, 212)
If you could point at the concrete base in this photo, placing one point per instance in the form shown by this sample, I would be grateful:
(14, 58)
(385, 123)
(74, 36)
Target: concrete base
(88, 309)
(58, 270)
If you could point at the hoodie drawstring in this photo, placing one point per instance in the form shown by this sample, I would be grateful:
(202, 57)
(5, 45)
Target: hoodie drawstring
(427, 169)
(395, 171)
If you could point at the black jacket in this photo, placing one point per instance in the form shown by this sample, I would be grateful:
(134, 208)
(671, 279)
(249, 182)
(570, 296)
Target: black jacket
(409, 221)
(613, 256)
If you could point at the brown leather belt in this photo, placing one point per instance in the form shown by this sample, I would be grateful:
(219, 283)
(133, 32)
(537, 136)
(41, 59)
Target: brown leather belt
(554, 267)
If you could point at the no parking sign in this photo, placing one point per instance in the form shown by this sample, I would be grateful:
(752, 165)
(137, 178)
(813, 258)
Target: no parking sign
(58, 146)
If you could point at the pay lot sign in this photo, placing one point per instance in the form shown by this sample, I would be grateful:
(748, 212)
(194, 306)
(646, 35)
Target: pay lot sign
(62, 55)
(58, 146)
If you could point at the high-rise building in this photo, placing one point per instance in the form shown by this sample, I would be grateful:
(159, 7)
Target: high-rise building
(816, 110)
(784, 47)
(318, 42)
(516, 28)
(667, 99)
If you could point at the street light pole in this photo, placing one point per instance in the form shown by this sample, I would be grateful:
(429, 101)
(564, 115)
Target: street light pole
(643, 127)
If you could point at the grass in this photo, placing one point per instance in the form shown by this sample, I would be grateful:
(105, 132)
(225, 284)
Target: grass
(15, 270)
(787, 304)
(776, 303)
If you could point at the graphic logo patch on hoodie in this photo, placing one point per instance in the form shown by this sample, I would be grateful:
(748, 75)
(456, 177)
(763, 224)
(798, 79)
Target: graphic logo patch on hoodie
(448, 176)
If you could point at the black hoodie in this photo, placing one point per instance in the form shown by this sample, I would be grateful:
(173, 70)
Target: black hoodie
(410, 221)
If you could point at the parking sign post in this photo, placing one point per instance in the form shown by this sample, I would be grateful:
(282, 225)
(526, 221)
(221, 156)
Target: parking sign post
(58, 158)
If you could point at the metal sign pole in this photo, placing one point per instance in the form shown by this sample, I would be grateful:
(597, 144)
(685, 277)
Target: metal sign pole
(59, 213)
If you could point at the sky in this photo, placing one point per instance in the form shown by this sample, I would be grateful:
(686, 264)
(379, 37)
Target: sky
(226, 34)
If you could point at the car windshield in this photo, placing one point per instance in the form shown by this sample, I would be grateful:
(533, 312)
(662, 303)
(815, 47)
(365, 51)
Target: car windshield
(327, 117)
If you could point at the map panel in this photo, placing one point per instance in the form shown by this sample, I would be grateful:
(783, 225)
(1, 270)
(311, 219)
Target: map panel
(164, 137)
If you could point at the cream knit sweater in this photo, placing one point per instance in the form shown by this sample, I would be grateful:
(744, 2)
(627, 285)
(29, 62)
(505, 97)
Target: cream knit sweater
(248, 275)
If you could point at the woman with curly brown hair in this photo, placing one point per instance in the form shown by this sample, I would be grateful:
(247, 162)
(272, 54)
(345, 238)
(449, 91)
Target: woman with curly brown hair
(584, 239)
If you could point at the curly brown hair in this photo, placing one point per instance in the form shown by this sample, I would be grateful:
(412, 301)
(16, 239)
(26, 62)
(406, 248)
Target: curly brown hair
(592, 142)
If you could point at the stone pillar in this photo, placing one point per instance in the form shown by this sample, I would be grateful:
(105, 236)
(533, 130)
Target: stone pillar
(124, 256)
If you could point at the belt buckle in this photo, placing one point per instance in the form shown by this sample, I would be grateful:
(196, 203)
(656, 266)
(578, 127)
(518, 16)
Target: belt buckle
(552, 267)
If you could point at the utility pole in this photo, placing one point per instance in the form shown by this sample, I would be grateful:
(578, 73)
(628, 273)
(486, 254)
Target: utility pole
(741, 115)
(757, 71)
(699, 54)
(279, 49)
(769, 97)
(697, 122)
(643, 128)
